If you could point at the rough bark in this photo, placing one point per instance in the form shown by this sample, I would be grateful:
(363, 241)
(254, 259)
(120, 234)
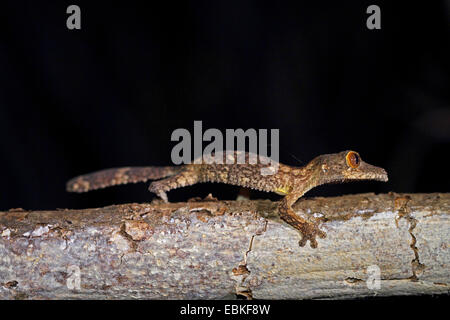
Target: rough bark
(217, 249)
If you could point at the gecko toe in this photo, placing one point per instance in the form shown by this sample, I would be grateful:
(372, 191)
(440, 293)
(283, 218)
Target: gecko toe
(313, 243)
(321, 234)
(302, 242)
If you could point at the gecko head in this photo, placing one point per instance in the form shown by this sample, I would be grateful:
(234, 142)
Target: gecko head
(346, 166)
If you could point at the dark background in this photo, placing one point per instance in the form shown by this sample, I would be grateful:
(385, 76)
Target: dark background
(110, 94)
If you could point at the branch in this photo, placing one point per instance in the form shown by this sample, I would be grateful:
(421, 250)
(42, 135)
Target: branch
(216, 249)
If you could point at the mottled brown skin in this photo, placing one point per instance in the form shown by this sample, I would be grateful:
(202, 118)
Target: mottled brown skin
(292, 182)
(116, 176)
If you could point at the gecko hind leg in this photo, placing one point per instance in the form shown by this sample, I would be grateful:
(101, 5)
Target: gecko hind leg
(309, 230)
(185, 178)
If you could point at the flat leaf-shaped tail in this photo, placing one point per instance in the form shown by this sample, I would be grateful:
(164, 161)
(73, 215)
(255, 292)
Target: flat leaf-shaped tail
(115, 176)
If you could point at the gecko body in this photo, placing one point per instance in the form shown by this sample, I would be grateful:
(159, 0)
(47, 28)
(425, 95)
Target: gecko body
(291, 182)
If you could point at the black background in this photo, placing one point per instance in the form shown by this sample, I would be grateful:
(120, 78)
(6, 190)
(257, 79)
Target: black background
(110, 94)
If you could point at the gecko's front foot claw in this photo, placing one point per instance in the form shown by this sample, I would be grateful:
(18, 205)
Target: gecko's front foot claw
(309, 232)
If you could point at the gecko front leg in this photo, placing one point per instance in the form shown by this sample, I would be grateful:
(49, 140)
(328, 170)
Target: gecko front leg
(308, 229)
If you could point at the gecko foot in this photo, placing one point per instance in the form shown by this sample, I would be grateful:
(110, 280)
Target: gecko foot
(308, 229)
(158, 190)
(309, 232)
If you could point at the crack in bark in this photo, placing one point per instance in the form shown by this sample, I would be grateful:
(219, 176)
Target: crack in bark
(128, 237)
(10, 284)
(401, 204)
(352, 280)
(416, 266)
(241, 272)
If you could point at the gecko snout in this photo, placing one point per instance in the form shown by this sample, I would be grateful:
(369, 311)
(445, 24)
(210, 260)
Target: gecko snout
(373, 173)
(384, 176)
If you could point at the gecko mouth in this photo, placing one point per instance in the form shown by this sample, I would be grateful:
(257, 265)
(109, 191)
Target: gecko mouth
(383, 176)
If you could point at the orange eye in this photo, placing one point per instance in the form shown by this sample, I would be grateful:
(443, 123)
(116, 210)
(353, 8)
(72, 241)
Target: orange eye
(352, 159)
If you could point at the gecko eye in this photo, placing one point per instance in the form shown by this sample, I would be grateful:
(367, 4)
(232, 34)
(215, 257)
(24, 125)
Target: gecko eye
(352, 159)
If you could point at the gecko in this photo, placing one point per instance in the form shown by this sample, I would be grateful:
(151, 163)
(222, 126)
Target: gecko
(288, 181)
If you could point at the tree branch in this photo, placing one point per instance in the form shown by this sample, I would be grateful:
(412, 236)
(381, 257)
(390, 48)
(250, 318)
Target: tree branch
(217, 249)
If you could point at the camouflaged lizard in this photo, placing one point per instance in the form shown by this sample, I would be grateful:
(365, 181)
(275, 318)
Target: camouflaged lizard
(291, 182)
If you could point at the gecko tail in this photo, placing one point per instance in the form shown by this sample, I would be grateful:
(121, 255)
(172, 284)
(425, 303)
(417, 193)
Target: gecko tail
(116, 176)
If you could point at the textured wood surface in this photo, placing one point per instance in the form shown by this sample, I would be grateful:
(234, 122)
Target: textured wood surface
(219, 249)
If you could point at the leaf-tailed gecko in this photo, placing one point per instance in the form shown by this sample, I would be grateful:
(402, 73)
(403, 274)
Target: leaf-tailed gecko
(291, 182)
